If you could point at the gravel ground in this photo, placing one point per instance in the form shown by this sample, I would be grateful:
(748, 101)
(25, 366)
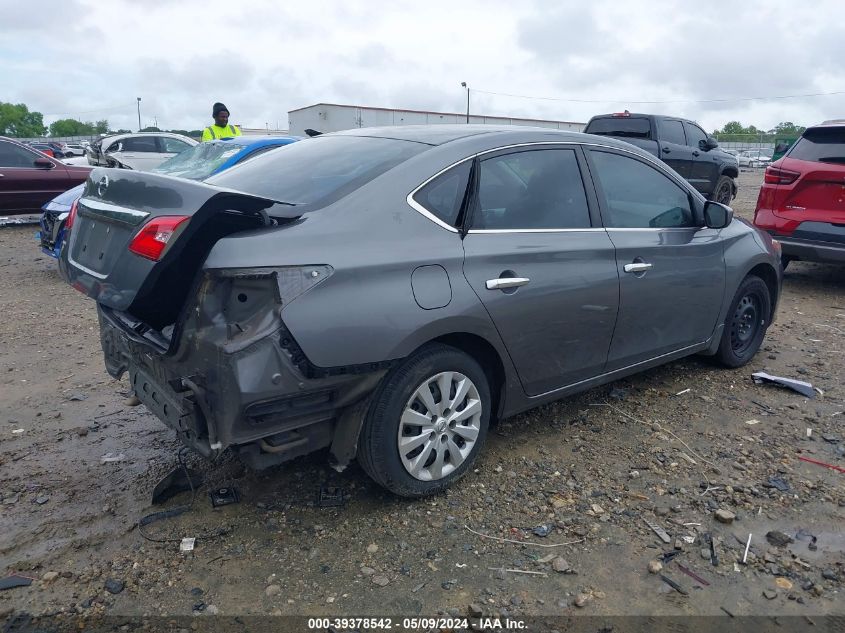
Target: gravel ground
(675, 446)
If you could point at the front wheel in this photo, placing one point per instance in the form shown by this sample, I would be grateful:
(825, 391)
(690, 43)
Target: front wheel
(723, 191)
(745, 326)
(427, 422)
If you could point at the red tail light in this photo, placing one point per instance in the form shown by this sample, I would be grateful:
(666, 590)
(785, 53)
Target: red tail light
(74, 208)
(153, 237)
(780, 176)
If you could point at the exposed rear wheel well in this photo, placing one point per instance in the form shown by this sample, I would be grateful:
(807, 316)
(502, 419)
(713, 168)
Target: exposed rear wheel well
(486, 356)
(731, 171)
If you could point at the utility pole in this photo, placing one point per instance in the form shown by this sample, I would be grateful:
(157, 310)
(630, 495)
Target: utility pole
(155, 118)
(139, 114)
(464, 84)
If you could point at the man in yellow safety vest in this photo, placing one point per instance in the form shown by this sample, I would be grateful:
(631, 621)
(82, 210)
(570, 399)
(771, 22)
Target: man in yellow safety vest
(221, 128)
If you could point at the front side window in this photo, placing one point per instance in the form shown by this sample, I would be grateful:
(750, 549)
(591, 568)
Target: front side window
(694, 134)
(638, 195)
(673, 132)
(443, 196)
(535, 189)
(13, 156)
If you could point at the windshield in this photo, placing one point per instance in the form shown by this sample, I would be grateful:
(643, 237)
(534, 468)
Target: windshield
(315, 172)
(200, 161)
(629, 127)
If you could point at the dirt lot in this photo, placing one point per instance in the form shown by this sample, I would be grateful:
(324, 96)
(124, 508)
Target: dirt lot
(671, 446)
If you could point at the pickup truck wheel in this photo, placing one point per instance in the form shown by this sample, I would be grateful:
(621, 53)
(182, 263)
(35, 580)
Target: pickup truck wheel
(745, 326)
(427, 422)
(724, 190)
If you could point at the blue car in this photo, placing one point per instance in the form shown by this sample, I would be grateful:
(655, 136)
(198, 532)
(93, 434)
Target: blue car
(198, 163)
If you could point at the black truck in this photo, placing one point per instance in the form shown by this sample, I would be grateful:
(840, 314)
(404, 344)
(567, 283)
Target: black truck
(682, 144)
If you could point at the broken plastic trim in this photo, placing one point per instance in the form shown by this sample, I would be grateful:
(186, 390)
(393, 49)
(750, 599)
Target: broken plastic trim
(292, 281)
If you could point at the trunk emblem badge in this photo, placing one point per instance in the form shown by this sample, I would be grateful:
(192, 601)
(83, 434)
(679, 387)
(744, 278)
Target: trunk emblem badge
(102, 185)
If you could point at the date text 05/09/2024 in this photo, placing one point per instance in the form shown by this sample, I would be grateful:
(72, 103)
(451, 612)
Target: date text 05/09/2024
(416, 624)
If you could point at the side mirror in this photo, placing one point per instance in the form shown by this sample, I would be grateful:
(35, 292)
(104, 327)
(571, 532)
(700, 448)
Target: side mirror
(708, 144)
(43, 162)
(717, 215)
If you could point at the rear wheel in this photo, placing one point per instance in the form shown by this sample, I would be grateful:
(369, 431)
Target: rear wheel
(745, 326)
(427, 422)
(723, 192)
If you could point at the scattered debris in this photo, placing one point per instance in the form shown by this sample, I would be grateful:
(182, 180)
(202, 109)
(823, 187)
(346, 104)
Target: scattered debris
(724, 516)
(752, 421)
(272, 590)
(15, 580)
(799, 386)
(381, 581)
(777, 482)
(42, 499)
(17, 431)
(562, 566)
(669, 556)
(818, 463)
(180, 479)
(768, 594)
(419, 586)
(50, 576)
(509, 540)
(783, 583)
(224, 496)
(714, 558)
(655, 566)
(680, 393)
(582, 599)
(747, 546)
(519, 571)
(726, 611)
(114, 586)
(111, 458)
(687, 458)
(543, 530)
(77, 397)
(779, 539)
(694, 576)
(187, 544)
(674, 585)
(331, 497)
(829, 574)
(664, 536)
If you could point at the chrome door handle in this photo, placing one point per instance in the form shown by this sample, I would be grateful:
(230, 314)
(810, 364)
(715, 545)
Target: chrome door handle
(639, 267)
(502, 283)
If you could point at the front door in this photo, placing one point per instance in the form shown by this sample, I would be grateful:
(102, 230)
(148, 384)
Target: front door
(541, 266)
(671, 269)
(705, 164)
(24, 186)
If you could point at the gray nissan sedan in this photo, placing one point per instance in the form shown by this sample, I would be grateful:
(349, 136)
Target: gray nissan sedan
(389, 293)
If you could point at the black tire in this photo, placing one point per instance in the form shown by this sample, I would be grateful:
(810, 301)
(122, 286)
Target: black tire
(378, 443)
(723, 192)
(745, 325)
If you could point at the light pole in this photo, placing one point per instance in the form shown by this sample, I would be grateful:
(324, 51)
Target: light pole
(464, 84)
(139, 114)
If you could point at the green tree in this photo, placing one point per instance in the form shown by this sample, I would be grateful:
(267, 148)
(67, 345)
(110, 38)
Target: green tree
(151, 128)
(17, 121)
(733, 127)
(788, 128)
(101, 127)
(70, 127)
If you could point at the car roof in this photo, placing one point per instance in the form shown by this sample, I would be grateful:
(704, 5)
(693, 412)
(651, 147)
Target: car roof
(830, 123)
(438, 134)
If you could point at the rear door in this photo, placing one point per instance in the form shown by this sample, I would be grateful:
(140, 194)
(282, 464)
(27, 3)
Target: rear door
(138, 152)
(674, 150)
(704, 167)
(671, 270)
(543, 268)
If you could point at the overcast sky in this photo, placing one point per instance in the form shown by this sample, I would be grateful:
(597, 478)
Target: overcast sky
(90, 59)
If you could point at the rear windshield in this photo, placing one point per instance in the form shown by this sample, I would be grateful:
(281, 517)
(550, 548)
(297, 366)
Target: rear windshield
(317, 171)
(823, 145)
(631, 127)
(200, 161)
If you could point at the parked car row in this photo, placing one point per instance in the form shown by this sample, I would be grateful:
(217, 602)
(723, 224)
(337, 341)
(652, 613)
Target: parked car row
(144, 150)
(754, 158)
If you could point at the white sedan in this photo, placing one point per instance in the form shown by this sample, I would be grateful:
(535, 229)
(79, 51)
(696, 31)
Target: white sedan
(142, 151)
(753, 158)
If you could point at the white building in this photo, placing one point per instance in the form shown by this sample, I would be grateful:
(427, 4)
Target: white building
(333, 117)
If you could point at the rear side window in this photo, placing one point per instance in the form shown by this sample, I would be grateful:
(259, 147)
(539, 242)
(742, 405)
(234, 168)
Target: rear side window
(535, 189)
(823, 145)
(443, 196)
(639, 196)
(172, 145)
(315, 172)
(138, 144)
(629, 127)
(673, 132)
